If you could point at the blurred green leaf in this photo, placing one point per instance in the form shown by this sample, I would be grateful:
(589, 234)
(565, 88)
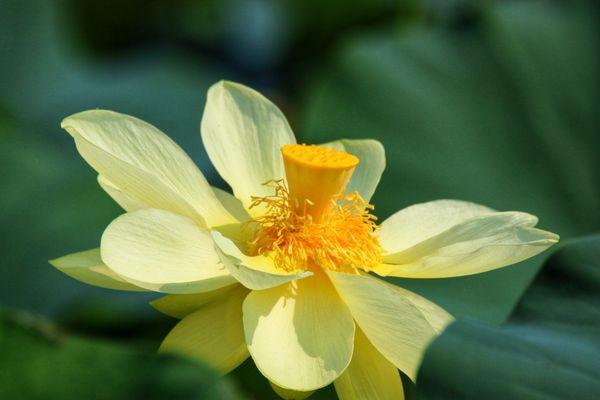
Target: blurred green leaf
(46, 74)
(51, 203)
(257, 387)
(502, 111)
(282, 35)
(549, 349)
(38, 362)
(51, 206)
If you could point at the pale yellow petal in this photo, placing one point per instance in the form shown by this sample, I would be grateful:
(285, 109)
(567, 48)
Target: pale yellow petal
(146, 164)
(181, 305)
(162, 251)
(420, 222)
(399, 323)
(477, 244)
(369, 375)
(87, 267)
(213, 334)
(139, 184)
(436, 316)
(367, 174)
(237, 232)
(256, 273)
(300, 334)
(232, 204)
(288, 394)
(243, 133)
(125, 200)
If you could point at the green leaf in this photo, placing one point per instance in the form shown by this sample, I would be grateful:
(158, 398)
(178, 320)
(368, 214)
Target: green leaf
(38, 362)
(51, 202)
(549, 349)
(498, 112)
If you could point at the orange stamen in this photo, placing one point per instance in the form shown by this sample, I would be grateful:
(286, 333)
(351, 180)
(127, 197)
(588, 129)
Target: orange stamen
(343, 240)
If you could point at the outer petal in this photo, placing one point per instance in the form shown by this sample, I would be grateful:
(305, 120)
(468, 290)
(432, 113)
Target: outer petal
(129, 203)
(369, 375)
(146, 164)
(372, 163)
(243, 133)
(399, 323)
(255, 273)
(232, 205)
(420, 222)
(162, 251)
(300, 335)
(475, 244)
(181, 305)
(125, 200)
(87, 267)
(288, 394)
(213, 334)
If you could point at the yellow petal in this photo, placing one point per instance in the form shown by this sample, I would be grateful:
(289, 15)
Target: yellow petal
(213, 334)
(243, 133)
(181, 305)
(367, 174)
(467, 239)
(164, 252)
(399, 323)
(300, 334)
(436, 316)
(125, 200)
(129, 203)
(87, 267)
(232, 204)
(369, 375)
(288, 394)
(146, 164)
(256, 273)
(420, 222)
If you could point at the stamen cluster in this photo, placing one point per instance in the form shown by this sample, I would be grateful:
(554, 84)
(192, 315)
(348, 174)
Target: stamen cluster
(343, 240)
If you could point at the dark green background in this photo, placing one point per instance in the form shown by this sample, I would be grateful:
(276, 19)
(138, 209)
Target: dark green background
(491, 102)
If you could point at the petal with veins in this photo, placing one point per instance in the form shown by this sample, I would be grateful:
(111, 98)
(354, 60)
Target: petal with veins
(257, 272)
(87, 267)
(164, 252)
(300, 334)
(243, 133)
(367, 174)
(369, 375)
(457, 238)
(146, 164)
(213, 334)
(399, 323)
(181, 305)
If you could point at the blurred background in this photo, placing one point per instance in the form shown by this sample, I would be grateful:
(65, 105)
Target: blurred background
(495, 102)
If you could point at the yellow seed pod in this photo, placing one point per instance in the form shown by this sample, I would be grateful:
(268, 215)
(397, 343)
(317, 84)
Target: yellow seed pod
(316, 175)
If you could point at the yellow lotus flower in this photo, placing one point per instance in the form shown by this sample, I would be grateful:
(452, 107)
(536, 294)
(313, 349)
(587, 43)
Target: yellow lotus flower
(282, 272)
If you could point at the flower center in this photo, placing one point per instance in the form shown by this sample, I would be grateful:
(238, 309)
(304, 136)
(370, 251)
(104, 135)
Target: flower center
(315, 176)
(314, 223)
